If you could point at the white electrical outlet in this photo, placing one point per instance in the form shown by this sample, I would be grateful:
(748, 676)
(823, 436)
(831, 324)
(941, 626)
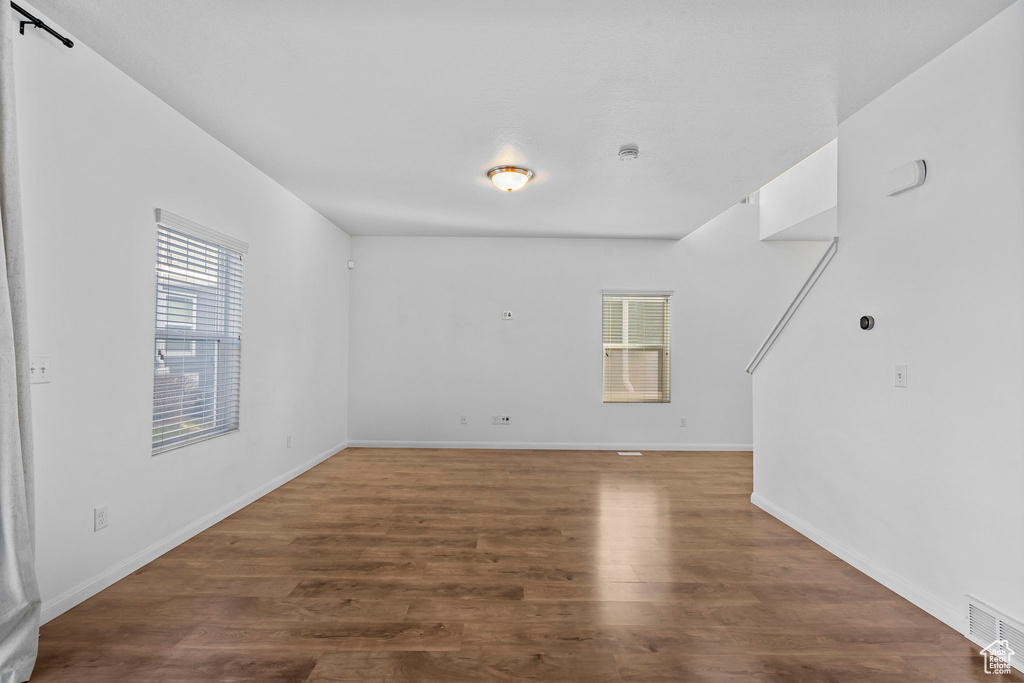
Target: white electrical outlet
(506, 315)
(501, 419)
(682, 422)
(99, 518)
(901, 376)
(463, 419)
(288, 441)
(39, 370)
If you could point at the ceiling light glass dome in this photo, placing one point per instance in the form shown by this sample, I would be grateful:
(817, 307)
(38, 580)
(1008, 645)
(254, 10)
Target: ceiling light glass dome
(509, 178)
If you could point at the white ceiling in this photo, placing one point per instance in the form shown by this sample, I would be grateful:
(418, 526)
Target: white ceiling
(385, 116)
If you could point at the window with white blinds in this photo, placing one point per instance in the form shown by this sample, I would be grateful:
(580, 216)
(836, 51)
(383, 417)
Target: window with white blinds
(198, 340)
(635, 330)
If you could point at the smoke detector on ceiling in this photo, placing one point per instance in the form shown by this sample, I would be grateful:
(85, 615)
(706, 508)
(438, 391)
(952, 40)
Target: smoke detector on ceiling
(628, 152)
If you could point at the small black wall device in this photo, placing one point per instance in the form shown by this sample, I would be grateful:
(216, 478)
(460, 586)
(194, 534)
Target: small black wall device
(867, 322)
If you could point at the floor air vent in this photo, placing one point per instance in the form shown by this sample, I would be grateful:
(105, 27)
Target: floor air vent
(986, 625)
(630, 453)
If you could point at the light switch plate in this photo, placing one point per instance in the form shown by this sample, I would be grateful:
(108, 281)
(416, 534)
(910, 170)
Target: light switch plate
(506, 315)
(901, 376)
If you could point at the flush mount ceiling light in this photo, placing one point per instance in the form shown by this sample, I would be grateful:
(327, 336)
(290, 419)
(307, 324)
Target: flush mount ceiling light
(509, 178)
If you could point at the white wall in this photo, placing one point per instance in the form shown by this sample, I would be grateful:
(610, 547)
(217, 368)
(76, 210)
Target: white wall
(99, 154)
(429, 344)
(800, 204)
(921, 487)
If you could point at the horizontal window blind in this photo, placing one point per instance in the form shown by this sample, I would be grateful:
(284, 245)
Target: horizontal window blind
(635, 329)
(198, 339)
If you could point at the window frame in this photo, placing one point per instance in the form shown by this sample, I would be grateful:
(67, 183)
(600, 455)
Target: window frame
(664, 349)
(225, 340)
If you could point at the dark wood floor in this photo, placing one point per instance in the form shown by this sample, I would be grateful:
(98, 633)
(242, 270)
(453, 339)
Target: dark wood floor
(435, 565)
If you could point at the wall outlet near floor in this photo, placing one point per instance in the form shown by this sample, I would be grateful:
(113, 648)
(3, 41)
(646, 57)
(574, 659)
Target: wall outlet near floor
(506, 315)
(501, 420)
(39, 370)
(288, 441)
(463, 419)
(99, 518)
(901, 376)
(682, 422)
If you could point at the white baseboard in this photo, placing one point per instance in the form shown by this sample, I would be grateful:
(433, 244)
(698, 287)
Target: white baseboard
(931, 604)
(85, 590)
(554, 445)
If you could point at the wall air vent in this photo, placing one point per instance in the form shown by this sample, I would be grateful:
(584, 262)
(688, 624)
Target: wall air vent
(986, 625)
(983, 626)
(1014, 635)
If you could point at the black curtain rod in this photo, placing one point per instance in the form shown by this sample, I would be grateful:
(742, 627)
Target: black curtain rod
(38, 23)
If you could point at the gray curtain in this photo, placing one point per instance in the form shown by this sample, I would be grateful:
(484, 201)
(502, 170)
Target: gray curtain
(19, 593)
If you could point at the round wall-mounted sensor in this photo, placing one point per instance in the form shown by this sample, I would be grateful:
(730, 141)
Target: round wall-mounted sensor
(867, 322)
(628, 152)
